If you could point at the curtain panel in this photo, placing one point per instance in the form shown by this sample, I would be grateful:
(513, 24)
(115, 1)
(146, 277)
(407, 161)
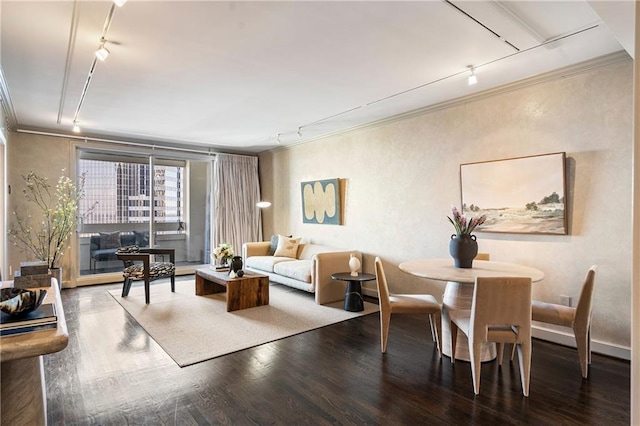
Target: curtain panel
(236, 191)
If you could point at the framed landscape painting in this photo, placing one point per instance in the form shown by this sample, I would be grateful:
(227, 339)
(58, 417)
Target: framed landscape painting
(525, 195)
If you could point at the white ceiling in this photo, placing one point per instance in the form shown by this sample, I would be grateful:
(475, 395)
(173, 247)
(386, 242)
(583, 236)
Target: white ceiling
(235, 75)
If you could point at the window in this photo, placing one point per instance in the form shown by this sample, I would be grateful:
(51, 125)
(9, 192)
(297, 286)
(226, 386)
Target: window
(121, 192)
(141, 200)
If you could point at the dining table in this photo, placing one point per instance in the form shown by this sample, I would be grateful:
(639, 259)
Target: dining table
(458, 292)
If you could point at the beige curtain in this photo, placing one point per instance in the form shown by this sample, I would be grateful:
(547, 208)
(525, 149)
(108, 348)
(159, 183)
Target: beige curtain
(236, 192)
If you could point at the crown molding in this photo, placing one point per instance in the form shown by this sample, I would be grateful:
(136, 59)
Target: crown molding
(6, 104)
(579, 68)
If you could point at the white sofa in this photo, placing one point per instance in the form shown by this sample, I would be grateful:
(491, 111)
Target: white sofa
(311, 270)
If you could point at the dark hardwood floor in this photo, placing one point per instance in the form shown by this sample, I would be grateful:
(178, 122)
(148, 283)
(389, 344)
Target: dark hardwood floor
(113, 373)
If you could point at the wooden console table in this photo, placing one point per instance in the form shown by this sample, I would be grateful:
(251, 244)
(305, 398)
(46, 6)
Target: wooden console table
(22, 388)
(244, 292)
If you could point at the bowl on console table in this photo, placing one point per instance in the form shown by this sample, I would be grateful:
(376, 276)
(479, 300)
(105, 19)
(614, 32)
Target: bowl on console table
(17, 302)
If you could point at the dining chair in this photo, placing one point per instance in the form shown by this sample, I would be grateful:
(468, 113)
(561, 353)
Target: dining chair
(146, 269)
(501, 313)
(391, 303)
(577, 318)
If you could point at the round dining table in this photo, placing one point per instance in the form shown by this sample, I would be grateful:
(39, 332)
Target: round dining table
(458, 293)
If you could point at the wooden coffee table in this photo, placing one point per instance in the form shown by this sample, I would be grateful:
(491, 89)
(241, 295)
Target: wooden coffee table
(249, 291)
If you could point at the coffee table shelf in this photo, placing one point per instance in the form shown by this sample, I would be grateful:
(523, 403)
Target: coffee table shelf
(248, 291)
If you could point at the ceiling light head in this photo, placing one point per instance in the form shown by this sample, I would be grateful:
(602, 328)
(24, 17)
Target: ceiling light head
(76, 128)
(278, 139)
(472, 78)
(263, 204)
(119, 3)
(299, 133)
(102, 51)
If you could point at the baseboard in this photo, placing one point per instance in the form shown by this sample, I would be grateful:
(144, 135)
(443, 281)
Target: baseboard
(560, 337)
(567, 339)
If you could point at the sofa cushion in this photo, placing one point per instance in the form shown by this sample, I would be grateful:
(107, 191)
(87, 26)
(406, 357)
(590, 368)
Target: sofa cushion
(287, 246)
(297, 269)
(109, 240)
(141, 239)
(265, 263)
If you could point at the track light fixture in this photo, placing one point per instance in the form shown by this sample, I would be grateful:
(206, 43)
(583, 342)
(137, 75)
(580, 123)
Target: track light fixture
(102, 51)
(472, 78)
(278, 139)
(299, 132)
(76, 128)
(119, 3)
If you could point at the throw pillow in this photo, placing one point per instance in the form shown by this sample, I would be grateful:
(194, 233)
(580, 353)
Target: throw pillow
(109, 240)
(274, 245)
(287, 247)
(142, 238)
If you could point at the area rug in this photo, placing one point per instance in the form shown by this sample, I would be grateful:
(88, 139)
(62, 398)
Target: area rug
(193, 329)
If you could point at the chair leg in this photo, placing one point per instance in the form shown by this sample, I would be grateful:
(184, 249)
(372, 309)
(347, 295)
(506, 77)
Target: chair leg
(475, 350)
(436, 322)
(432, 326)
(146, 291)
(582, 343)
(454, 339)
(126, 286)
(589, 343)
(524, 358)
(500, 352)
(173, 283)
(385, 319)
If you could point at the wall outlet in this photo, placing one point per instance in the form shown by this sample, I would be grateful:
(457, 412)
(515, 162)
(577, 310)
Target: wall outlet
(565, 300)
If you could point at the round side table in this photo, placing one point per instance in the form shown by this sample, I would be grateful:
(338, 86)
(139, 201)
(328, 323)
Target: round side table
(353, 301)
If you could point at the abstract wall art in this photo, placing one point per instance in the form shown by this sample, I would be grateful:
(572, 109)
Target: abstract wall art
(321, 202)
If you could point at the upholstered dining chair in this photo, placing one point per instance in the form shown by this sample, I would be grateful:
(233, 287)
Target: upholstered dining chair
(391, 303)
(482, 256)
(145, 269)
(501, 313)
(577, 318)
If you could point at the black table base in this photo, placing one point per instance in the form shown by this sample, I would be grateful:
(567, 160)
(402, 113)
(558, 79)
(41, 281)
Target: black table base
(353, 300)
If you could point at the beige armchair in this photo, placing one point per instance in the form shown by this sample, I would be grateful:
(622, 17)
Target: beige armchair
(578, 318)
(500, 312)
(405, 304)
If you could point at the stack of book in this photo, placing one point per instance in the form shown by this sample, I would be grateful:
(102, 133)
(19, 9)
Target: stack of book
(42, 318)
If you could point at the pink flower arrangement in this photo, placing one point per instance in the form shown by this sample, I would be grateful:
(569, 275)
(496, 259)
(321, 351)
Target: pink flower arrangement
(462, 224)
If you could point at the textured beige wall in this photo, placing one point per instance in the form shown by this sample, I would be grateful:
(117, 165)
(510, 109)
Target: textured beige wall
(402, 177)
(44, 155)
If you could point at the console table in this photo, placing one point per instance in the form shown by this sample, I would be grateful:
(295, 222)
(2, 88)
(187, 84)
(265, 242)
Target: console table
(22, 388)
